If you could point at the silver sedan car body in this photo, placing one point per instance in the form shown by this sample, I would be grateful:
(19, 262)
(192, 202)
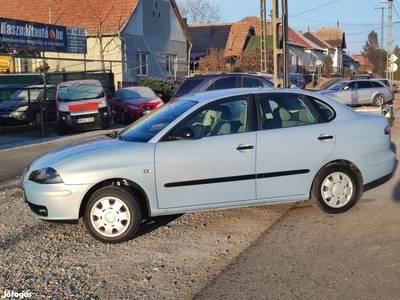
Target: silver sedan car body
(360, 92)
(213, 150)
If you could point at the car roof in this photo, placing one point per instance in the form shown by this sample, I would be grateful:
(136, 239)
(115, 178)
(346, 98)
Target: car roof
(81, 81)
(210, 96)
(41, 86)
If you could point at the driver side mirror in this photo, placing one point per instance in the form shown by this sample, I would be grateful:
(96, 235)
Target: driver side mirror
(183, 133)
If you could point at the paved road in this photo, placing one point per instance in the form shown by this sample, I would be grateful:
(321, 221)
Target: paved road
(311, 255)
(17, 150)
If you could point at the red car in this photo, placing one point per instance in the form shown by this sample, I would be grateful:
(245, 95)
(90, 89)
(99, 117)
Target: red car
(130, 103)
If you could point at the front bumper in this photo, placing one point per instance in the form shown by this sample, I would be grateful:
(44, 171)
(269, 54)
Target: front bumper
(86, 120)
(58, 202)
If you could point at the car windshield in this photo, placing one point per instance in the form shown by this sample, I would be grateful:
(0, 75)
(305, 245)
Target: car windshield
(148, 126)
(337, 86)
(80, 92)
(138, 93)
(25, 95)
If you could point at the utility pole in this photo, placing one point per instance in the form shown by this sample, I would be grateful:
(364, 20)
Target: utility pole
(281, 47)
(263, 11)
(382, 25)
(389, 71)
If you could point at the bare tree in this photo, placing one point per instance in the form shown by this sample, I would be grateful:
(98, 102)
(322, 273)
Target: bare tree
(199, 11)
(214, 61)
(250, 60)
(101, 16)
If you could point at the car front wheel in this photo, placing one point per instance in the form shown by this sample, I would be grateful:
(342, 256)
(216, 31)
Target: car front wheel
(335, 189)
(112, 215)
(37, 118)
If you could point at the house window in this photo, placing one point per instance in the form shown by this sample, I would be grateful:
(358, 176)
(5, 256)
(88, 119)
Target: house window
(170, 68)
(141, 63)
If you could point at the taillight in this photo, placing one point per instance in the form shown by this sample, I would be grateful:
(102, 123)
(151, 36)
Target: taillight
(387, 129)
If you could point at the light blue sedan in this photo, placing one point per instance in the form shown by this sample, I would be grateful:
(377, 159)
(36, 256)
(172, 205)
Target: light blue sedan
(213, 150)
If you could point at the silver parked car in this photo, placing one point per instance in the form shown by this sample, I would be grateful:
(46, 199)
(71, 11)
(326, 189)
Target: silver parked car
(360, 92)
(214, 150)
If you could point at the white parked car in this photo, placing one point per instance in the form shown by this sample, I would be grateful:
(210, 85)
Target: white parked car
(213, 150)
(360, 92)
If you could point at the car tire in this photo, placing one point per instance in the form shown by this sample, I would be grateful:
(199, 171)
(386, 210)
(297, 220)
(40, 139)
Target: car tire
(378, 100)
(112, 215)
(123, 119)
(60, 131)
(335, 189)
(37, 117)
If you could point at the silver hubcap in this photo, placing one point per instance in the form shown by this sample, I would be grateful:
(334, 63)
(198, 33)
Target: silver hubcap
(110, 217)
(337, 189)
(379, 100)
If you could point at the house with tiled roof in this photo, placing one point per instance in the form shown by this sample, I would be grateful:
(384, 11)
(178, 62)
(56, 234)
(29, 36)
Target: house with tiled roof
(364, 65)
(311, 55)
(133, 38)
(332, 39)
(304, 55)
(231, 38)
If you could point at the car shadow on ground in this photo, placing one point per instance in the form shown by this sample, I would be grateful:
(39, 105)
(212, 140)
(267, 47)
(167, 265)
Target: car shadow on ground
(153, 223)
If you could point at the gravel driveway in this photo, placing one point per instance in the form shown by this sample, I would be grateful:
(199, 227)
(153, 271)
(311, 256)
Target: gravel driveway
(171, 257)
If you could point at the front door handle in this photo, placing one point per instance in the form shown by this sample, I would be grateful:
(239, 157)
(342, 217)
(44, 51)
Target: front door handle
(242, 147)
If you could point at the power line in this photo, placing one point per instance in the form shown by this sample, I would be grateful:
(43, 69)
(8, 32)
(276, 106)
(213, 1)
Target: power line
(304, 12)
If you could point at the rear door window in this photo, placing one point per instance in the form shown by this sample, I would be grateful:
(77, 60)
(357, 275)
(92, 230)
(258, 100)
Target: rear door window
(364, 85)
(223, 83)
(253, 82)
(189, 85)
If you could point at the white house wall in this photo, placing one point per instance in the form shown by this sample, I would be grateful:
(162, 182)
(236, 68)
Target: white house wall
(159, 35)
(74, 62)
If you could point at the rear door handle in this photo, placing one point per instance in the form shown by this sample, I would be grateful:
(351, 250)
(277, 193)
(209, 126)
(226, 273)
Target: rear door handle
(324, 137)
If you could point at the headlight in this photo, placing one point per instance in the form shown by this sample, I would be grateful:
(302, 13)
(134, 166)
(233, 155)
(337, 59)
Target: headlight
(63, 108)
(133, 107)
(45, 176)
(22, 108)
(160, 104)
(102, 103)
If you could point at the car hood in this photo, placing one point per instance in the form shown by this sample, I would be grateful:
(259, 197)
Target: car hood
(12, 104)
(142, 100)
(64, 153)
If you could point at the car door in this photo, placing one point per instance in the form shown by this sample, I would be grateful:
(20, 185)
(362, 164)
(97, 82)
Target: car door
(217, 166)
(50, 104)
(289, 153)
(349, 93)
(365, 92)
(115, 104)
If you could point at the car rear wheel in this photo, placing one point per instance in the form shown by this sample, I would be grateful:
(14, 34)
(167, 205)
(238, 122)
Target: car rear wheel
(335, 189)
(112, 215)
(378, 100)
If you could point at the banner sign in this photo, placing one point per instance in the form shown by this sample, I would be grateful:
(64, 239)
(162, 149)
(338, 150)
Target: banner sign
(32, 36)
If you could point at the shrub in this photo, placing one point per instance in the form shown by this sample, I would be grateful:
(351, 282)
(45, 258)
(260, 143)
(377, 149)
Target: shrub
(159, 86)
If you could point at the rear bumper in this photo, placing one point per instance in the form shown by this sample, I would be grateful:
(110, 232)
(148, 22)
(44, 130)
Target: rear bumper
(377, 182)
